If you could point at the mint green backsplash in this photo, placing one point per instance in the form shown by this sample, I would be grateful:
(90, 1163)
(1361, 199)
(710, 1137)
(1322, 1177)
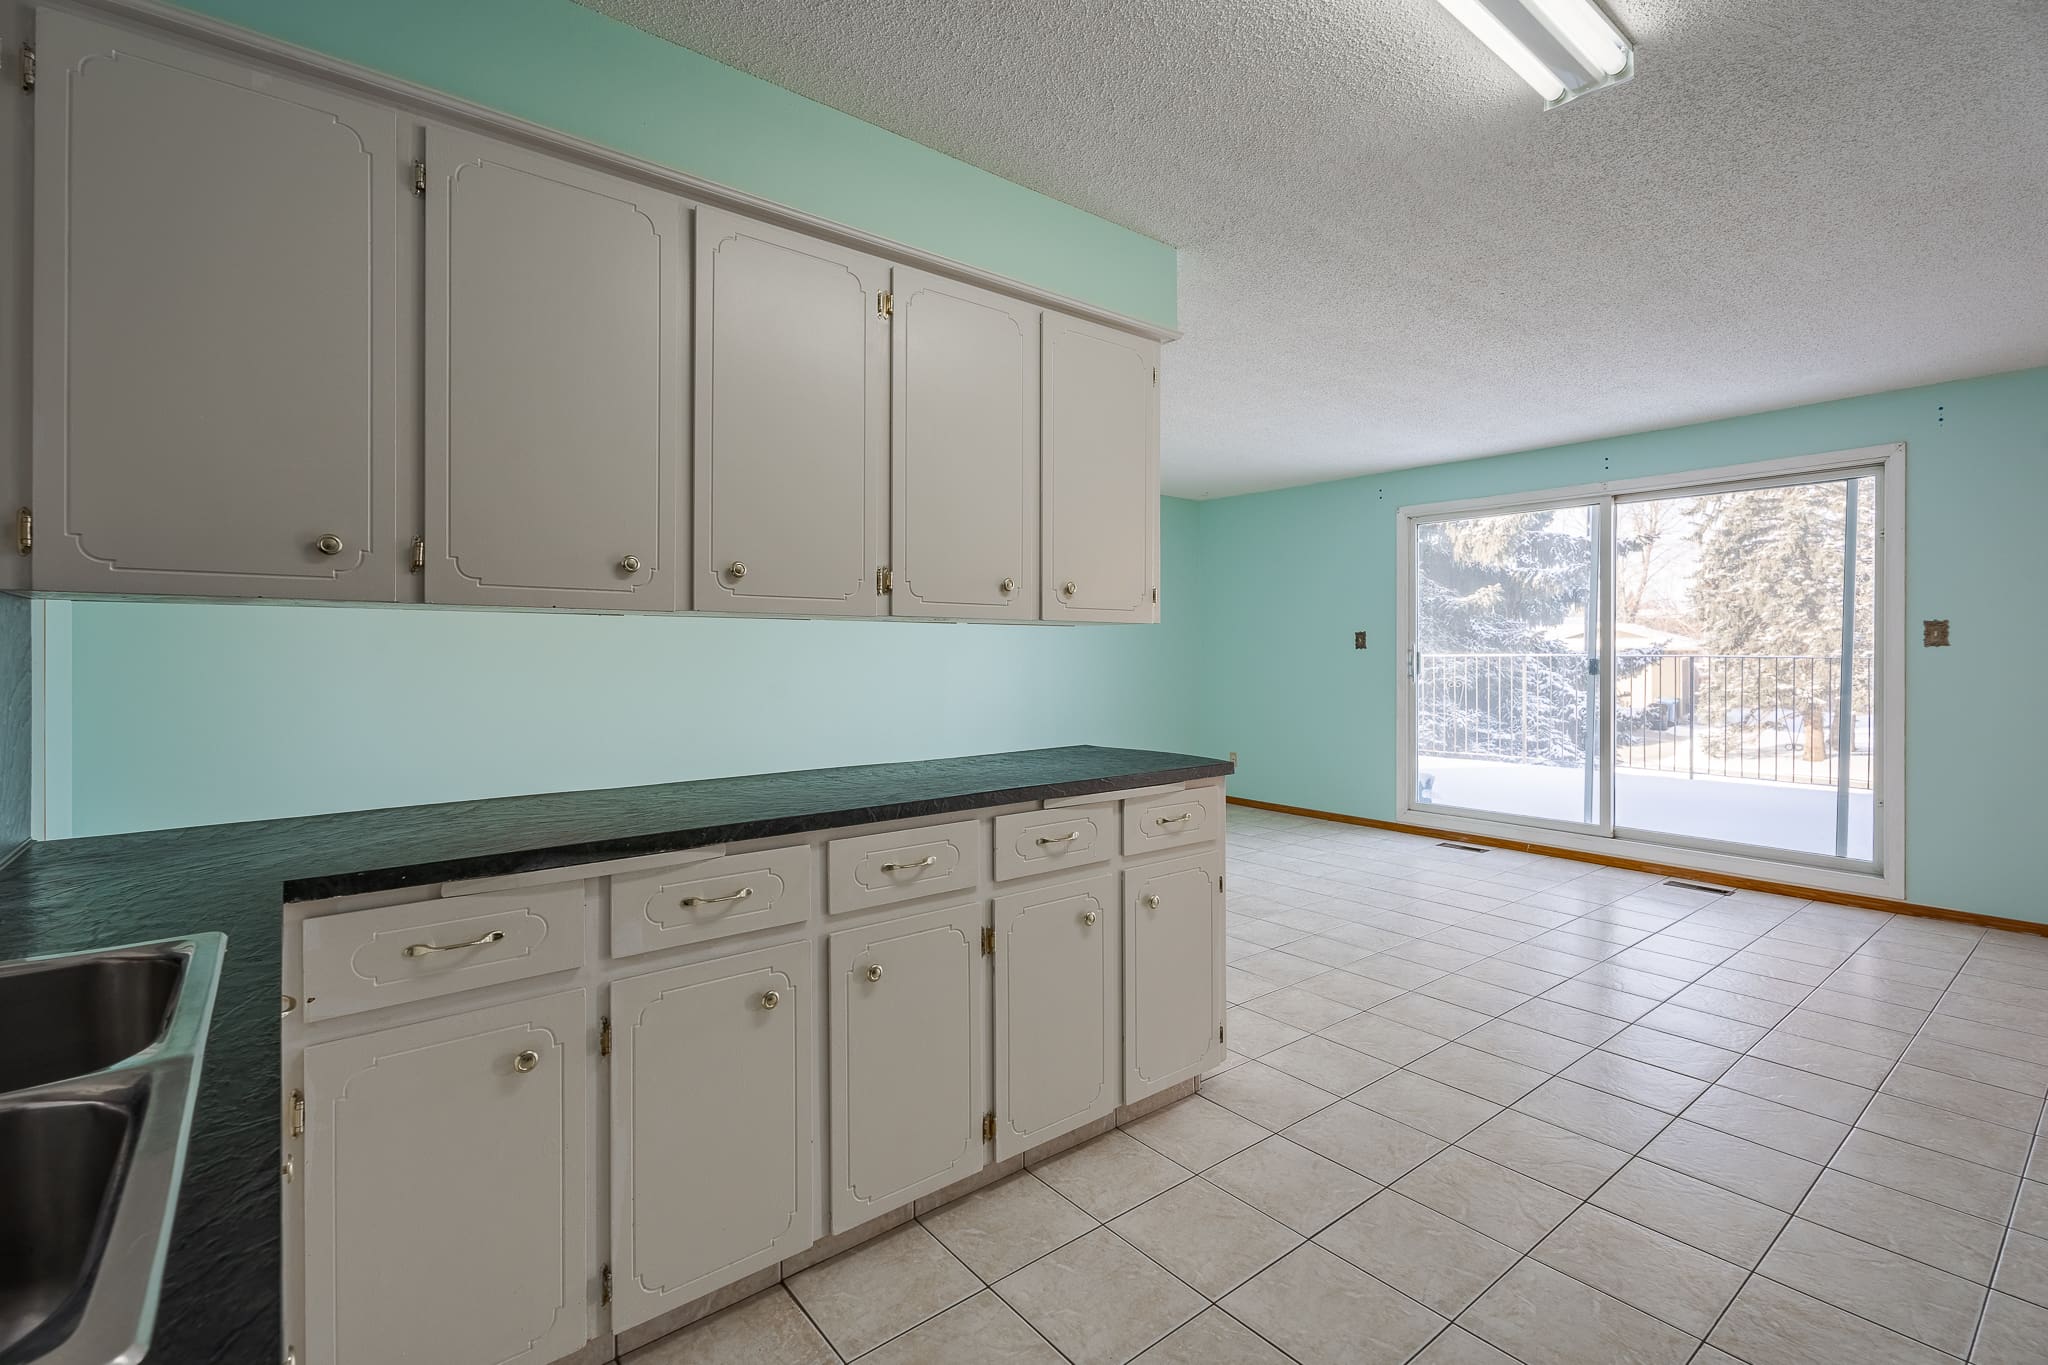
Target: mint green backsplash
(1286, 577)
(194, 713)
(569, 68)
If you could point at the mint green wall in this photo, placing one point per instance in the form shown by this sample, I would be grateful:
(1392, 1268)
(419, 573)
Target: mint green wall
(569, 68)
(190, 713)
(1286, 577)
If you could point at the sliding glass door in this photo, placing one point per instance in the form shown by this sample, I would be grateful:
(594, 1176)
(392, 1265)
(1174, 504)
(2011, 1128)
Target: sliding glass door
(1506, 672)
(1745, 706)
(1696, 663)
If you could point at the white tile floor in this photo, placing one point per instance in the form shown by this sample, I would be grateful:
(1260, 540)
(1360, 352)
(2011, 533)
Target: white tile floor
(1492, 1107)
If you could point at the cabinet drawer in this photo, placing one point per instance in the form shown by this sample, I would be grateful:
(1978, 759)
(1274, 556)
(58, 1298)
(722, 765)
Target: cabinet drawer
(367, 959)
(1046, 840)
(734, 894)
(881, 869)
(1194, 816)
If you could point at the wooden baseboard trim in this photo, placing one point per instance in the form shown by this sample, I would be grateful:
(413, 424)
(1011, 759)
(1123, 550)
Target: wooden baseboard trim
(1852, 898)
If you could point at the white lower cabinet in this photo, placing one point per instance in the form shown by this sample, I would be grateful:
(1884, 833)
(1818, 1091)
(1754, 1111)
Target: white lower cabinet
(910, 1029)
(1058, 1036)
(447, 1176)
(711, 1122)
(1173, 972)
(447, 1188)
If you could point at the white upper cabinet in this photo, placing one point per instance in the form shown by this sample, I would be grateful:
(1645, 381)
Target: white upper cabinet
(215, 330)
(447, 1189)
(555, 382)
(964, 451)
(1101, 449)
(791, 423)
(711, 1126)
(15, 160)
(269, 348)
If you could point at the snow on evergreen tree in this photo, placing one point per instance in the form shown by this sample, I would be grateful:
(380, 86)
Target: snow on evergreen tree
(1498, 587)
(1769, 586)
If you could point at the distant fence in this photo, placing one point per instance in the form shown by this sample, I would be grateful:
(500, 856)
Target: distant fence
(1771, 717)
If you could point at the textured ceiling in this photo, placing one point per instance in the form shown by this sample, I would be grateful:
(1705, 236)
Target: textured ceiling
(1391, 255)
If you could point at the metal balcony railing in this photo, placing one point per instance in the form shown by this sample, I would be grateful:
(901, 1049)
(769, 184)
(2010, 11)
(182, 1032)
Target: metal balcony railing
(1768, 717)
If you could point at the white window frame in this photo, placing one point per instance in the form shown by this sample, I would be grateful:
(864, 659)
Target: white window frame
(1885, 876)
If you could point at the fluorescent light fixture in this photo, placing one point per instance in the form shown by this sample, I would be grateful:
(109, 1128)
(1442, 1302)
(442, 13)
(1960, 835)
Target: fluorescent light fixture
(1562, 48)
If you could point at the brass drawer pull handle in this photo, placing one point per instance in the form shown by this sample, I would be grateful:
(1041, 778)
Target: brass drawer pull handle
(1151, 902)
(1007, 586)
(630, 564)
(422, 949)
(738, 895)
(874, 973)
(1066, 838)
(928, 860)
(736, 569)
(1067, 588)
(526, 1061)
(1089, 918)
(329, 544)
(770, 999)
(1173, 819)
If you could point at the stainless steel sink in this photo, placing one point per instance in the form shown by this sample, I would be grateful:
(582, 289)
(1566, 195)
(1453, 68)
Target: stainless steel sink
(74, 1016)
(61, 1162)
(99, 1069)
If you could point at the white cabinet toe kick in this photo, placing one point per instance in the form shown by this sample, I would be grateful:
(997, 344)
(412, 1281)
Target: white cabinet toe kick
(533, 1119)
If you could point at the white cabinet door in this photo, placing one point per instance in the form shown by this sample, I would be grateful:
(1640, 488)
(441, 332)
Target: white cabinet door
(909, 1031)
(711, 1126)
(964, 452)
(1173, 973)
(792, 413)
(215, 331)
(16, 157)
(1101, 449)
(447, 1189)
(1058, 1026)
(555, 381)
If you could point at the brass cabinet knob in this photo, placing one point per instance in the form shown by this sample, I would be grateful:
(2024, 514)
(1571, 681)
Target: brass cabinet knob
(1007, 586)
(1089, 918)
(736, 569)
(630, 564)
(1151, 902)
(329, 544)
(1067, 588)
(770, 999)
(526, 1061)
(875, 972)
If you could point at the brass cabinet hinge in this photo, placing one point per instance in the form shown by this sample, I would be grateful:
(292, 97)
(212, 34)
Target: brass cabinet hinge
(25, 61)
(1155, 374)
(988, 941)
(885, 304)
(419, 553)
(24, 530)
(1219, 1033)
(419, 178)
(1155, 594)
(885, 581)
(298, 1113)
(604, 1287)
(604, 1036)
(988, 1126)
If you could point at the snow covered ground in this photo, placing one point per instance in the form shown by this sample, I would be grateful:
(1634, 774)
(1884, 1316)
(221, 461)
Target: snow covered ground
(1775, 815)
